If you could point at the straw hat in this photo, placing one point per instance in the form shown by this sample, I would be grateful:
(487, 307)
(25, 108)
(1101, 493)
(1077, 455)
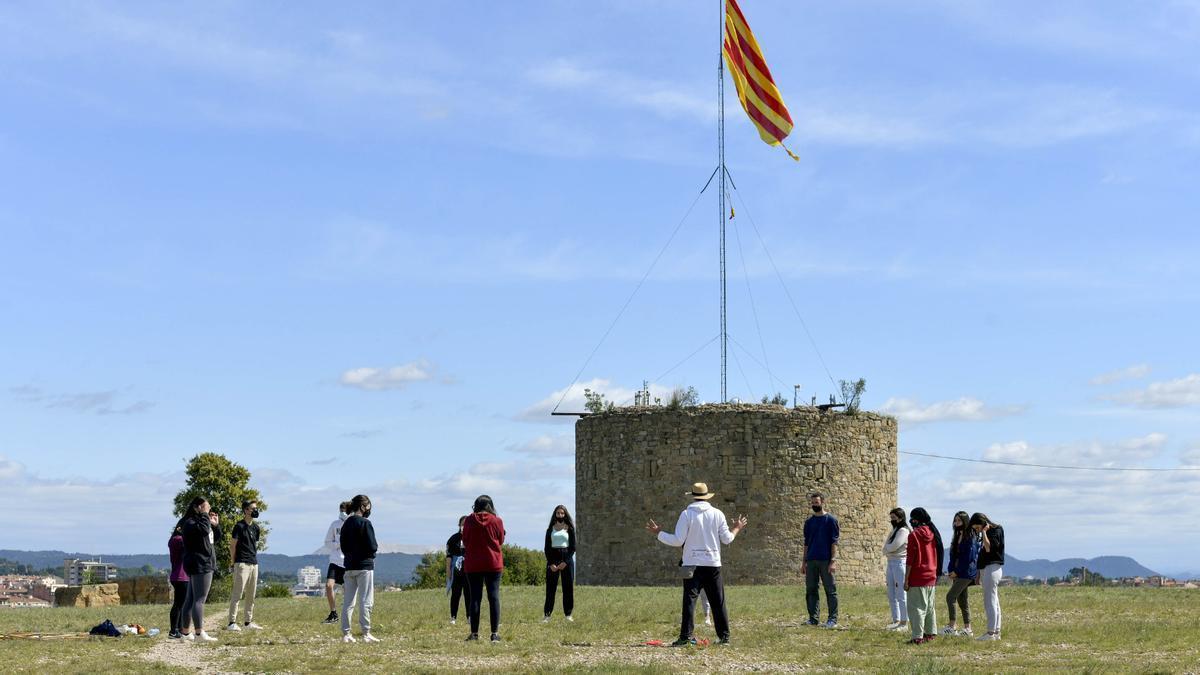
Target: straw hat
(700, 491)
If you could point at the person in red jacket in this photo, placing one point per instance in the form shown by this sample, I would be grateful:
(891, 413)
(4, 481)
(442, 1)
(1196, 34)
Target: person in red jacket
(920, 578)
(482, 537)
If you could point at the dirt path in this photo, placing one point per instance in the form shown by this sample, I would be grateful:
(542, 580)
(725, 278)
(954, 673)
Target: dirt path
(185, 653)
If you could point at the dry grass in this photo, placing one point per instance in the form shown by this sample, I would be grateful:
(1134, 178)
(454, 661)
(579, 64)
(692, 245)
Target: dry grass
(1046, 630)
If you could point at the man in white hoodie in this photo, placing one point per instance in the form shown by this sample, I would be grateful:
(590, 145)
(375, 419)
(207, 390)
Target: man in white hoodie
(701, 530)
(337, 560)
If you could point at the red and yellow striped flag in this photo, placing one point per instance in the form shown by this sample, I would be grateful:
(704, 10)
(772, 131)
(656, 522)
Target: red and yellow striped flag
(756, 89)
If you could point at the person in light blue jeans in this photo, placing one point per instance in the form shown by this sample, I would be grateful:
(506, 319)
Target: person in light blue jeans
(895, 550)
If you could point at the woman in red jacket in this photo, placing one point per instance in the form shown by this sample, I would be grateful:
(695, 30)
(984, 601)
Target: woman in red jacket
(482, 537)
(921, 569)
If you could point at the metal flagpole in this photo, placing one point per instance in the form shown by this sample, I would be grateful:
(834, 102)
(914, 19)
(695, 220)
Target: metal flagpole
(721, 193)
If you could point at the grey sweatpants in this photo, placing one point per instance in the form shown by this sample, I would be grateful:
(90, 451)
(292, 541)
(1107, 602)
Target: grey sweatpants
(360, 584)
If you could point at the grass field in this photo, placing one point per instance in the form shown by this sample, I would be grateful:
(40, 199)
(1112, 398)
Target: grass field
(1076, 630)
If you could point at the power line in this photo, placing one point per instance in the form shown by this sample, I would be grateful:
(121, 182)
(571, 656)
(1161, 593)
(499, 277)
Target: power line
(636, 288)
(1049, 466)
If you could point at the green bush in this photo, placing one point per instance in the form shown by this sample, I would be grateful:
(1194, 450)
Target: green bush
(275, 591)
(522, 567)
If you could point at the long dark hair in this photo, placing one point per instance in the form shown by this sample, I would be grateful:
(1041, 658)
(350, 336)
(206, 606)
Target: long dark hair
(570, 523)
(960, 530)
(193, 508)
(484, 503)
(903, 522)
(982, 519)
(360, 503)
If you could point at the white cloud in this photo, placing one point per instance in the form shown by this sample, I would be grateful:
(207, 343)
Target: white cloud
(573, 400)
(1131, 373)
(965, 409)
(546, 445)
(1178, 393)
(1128, 452)
(94, 402)
(384, 379)
(618, 89)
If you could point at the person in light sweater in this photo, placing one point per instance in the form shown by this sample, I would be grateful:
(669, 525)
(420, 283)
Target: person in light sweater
(895, 549)
(700, 531)
(335, 574)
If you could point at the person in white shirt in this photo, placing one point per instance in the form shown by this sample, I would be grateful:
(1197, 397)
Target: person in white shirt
(895, 549)
(337, 570)
(701, 530)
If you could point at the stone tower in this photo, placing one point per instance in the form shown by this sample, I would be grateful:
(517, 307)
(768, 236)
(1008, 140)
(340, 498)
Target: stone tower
(632, 464)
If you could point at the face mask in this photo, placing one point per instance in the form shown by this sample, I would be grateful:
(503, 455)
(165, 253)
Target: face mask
(367, 513)
(343, 516)
(559, 518)
(894, 523)
(254, 513)
(817, 508)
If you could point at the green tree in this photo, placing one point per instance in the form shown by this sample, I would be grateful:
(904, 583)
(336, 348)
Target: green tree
(225, 485)
(777, 399)
(683, 398)
(522, 567)
(852, 393)
(595, 403)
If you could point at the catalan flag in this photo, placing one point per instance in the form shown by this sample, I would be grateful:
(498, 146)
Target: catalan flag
(756, 89)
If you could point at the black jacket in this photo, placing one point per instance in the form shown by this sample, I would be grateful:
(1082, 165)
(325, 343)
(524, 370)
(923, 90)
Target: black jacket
(358, 543)
(198, 537)
(995, 537)
(559, 555)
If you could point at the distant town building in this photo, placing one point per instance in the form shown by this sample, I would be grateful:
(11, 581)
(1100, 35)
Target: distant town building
(308, 577)
(77, 572)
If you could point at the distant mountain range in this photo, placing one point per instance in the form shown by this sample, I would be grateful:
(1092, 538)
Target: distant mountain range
(398, 567)
(1110, 566)
(389, 567)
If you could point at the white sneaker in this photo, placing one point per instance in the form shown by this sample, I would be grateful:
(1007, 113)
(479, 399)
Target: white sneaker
(190, 636)
(206, 637)
(233, 627)
(348, 638)
(831, 624)
(708, 619)
(370, 638)
(966, 632)
(892, 625)
(570, 618)
(546, 619)
(901, 628)
(253, 626)
(453, 621)
(988, 637)
(949, 630)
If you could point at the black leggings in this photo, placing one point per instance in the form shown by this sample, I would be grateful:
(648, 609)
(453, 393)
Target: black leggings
(193, 607)
(178, 620)
(568, 584)
(477, 580)
(459, 588)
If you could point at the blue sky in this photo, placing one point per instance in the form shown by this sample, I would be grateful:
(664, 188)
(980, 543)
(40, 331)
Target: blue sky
(359, 250)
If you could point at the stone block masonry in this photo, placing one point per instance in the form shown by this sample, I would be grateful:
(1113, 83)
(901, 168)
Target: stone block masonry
(762, 461)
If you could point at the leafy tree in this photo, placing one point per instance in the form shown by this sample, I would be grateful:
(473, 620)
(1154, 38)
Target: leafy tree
(275, 591)
(777, 399)
(595, 402)
(683, 398)
(225, 485)
(852, 393)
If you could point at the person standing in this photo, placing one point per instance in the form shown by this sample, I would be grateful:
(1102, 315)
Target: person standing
(179, 584)
(920, 578)
(701, 530)
(456, 578)
(243, 552)
(895, 550)
(483, 538)
(962, 570)
(991, 570)
(821, 533)
(560, 549)
(359, 548)
(199, 561)
(335, 574)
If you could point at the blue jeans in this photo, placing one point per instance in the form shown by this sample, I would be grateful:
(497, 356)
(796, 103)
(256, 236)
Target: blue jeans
(897, 598)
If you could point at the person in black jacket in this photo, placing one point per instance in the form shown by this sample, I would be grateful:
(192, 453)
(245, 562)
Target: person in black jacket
(991, 570)
(560, 553)
(456, 578)
(359, 546)
(199, 561)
